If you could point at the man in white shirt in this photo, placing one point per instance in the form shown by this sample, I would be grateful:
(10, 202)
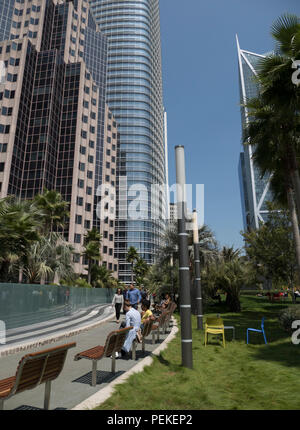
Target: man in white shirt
(133, 318)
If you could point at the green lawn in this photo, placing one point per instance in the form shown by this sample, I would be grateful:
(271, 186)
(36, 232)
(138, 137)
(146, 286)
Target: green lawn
(256, 376)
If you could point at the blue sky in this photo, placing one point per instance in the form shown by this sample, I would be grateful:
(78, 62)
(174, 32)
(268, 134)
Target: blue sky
(201, 94)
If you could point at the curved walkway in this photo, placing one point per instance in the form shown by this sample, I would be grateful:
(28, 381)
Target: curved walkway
(72, 389)
(40, 334)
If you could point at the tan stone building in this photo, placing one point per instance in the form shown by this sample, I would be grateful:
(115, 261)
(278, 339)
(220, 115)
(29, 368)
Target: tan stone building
(53, 119)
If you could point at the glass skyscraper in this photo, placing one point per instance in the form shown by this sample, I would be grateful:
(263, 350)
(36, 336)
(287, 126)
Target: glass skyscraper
(6, 13)
(134, 95)
(255, 190)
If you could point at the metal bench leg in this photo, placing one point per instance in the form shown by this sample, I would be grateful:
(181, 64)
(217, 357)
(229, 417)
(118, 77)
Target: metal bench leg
(143, 345)
(1, 405)
(94, 373)
(158, 334)
(47, 395)
(133, 350)
(153, 337)
(113, 363)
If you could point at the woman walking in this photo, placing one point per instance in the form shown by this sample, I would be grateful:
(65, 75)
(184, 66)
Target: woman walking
(118, 301)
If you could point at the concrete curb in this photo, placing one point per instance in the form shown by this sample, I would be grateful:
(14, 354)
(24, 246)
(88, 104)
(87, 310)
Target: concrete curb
(102, 395)
(54, 338)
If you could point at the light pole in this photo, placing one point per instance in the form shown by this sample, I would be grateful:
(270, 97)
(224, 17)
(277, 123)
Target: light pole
(199, 304)
(184, 269)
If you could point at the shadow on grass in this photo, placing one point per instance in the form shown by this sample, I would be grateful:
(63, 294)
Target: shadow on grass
(284, 353)
(163, 361)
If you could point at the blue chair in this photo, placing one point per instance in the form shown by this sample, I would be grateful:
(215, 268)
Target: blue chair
(258, 331)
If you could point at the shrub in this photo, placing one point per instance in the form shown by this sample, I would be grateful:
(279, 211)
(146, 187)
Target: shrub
(287, 316)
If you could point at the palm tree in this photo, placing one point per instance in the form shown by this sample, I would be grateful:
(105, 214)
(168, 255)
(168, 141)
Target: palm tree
(230, 254)
(208, 247)
(20, 222)
(280, 95)
(283, 193)
(92, 242)
(140, 270)
(54, 209)
(132, 256)
(169, 249)
(265, 132)
(103, 278)
(49, 259)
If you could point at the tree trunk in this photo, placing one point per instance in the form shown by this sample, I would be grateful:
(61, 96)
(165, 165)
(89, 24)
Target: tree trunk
(21, 275)
(233, 302)
(56, 278)
(294, 175)
(90, 271)
(295, 226)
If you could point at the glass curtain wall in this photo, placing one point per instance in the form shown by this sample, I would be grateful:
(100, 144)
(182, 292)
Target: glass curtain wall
(134, 94)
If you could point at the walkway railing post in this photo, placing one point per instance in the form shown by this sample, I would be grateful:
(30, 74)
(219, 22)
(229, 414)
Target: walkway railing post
(184, 266)
(199, 303)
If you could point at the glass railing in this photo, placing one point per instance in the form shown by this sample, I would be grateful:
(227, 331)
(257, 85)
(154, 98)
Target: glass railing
(25, 304)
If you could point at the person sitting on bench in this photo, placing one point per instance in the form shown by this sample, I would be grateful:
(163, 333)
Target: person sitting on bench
(133, 318)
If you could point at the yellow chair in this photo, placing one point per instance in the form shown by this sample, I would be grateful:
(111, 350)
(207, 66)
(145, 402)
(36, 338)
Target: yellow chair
(214, 326)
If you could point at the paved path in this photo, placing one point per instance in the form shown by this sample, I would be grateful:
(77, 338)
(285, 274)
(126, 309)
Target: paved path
(37, 334)
(73, 385)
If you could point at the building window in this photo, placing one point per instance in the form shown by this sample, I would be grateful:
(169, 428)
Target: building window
(79, 201)
(77, 238)
(87, 224)
(88, 207)
(78, 219)
(80, 183)
(4, 129)
(2, 167)
(76, 258)
(3, 147)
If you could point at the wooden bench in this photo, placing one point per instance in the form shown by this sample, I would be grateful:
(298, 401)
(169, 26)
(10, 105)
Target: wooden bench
(113, 344)
(145, 332)
(33, 370)
(160, 323)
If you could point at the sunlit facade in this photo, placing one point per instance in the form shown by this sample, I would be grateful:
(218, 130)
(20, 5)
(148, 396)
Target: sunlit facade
(135, 97)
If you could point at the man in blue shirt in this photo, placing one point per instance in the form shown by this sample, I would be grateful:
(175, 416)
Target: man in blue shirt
(134, 296)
